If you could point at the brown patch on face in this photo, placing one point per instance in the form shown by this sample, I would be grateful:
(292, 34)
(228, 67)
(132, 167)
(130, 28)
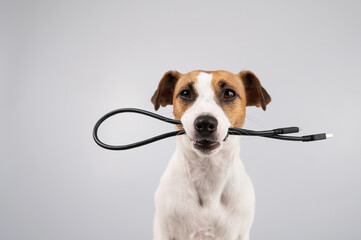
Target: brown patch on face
(186, 82)
(226, 85)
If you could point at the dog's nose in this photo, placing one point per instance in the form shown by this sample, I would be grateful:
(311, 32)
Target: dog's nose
(206, 124)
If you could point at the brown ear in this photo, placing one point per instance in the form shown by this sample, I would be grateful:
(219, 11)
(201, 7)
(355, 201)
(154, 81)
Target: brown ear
(256, 94)
(163, 96)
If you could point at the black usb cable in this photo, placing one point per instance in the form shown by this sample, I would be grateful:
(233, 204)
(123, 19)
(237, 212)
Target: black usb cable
(277, 133)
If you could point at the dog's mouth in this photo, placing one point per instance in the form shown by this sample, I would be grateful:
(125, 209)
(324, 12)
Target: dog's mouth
(205, 145)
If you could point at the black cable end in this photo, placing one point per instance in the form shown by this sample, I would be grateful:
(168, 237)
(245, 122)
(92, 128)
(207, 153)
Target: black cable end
(316, 137)
(286, 130)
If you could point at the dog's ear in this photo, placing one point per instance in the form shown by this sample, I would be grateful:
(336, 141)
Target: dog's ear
(163, 96)
(255, 93)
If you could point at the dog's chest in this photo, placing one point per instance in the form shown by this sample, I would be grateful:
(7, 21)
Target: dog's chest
(209, 199)
(210, 205)
(212, 214)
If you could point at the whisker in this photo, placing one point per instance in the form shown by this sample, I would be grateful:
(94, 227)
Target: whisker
(255, 121)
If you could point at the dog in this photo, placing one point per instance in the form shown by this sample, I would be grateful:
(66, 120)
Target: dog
(205, 192)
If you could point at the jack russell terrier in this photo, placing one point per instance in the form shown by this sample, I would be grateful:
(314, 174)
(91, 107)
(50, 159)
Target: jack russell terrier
(205, 192)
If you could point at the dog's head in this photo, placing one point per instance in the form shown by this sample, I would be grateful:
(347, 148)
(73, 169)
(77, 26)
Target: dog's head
(208, 103)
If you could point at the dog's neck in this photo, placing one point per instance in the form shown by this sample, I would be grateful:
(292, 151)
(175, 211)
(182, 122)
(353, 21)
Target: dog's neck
(209, 174)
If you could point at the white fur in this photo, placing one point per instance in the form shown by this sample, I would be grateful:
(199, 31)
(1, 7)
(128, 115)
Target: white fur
(226, 209)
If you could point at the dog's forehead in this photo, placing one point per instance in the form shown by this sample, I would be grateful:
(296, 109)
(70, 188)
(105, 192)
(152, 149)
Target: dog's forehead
(205, 79)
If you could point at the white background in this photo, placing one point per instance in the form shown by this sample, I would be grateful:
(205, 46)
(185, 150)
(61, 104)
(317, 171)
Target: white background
(63, 64)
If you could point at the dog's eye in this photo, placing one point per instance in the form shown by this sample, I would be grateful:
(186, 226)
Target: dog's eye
(229, 94)
(185, 94)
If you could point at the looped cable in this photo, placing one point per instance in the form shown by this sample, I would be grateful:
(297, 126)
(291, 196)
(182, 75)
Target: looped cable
(137, 144)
